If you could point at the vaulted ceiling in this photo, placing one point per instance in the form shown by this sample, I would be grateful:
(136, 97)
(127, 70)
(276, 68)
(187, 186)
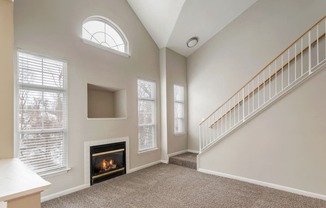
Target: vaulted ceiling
(171, 23)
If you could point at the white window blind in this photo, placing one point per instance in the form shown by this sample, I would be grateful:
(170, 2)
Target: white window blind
(41, 112)
(146, 115)
(179, 116)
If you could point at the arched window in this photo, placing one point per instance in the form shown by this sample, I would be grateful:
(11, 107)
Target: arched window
(99, 31)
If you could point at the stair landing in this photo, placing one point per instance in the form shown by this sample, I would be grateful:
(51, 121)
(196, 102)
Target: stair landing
(187, 159)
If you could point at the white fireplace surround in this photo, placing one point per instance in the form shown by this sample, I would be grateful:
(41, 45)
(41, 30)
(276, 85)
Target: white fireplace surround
(87, 146)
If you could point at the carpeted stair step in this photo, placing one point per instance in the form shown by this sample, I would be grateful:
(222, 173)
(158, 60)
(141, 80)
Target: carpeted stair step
(187, 159)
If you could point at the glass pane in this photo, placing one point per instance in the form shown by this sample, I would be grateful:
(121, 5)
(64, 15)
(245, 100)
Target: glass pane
(53, 110)
(178, 117)
(146, 135)
(146, 89)
(179, 125)
(40, 71)
(178, 93)
(99, 38)
(30, 109)
(178, 110)
(92, 27)
(42, 151)
(103, 34)
(145, 112)
(40, 110)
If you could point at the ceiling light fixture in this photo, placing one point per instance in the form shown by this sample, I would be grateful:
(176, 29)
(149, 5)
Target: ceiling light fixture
(192, 42)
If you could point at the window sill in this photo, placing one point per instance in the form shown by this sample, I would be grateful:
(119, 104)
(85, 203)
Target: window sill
(148, 150)
(55, 173)
(127, 55)
(180, 134)
(106, 119)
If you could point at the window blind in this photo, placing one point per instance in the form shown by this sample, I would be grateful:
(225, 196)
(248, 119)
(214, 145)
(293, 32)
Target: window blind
(146, 115)
(41, 112)
(179, 121)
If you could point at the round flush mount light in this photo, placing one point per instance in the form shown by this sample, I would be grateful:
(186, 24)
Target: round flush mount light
(192, 42)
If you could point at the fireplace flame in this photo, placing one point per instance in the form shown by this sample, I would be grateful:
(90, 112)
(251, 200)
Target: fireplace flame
(104, 165)
(108, 165)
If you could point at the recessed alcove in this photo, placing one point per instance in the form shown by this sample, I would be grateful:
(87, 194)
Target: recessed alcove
(103, 102)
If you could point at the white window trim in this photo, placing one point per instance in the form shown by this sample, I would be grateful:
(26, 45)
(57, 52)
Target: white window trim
(184, 109)
(127, 55)
(17, 85)
(155, 118)
(116, 28)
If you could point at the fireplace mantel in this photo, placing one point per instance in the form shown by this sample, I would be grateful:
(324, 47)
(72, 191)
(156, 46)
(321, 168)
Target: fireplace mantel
(87, 146)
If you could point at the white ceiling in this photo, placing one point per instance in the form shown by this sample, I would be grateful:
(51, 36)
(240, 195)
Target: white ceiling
(172, 22)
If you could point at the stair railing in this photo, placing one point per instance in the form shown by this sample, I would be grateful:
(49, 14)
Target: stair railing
(297, 62)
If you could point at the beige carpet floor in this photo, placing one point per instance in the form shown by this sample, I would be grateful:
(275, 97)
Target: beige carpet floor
(175, 186)
(187, 159)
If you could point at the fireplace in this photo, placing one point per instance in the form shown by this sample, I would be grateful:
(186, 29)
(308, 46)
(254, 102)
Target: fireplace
(107, 161)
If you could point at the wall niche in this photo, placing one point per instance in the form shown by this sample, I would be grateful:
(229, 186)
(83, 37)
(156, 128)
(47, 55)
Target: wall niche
(103, 102)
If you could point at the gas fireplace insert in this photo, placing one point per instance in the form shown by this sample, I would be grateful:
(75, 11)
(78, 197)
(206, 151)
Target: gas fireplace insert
(107, 161)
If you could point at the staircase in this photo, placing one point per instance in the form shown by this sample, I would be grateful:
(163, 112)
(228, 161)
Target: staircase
(187, 159)
(302, 59)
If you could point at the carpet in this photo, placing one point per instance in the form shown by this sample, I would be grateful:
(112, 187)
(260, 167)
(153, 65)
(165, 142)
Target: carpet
(187, 159)
(174, 186)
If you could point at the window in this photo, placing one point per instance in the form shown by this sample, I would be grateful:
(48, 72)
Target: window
(179, 108)
(102, 32)
(146, 115)
(41, 112)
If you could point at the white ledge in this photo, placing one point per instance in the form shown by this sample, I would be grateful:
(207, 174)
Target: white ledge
(18, 181)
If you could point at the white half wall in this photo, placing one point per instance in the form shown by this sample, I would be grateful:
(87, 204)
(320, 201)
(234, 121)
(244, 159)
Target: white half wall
(283, 145)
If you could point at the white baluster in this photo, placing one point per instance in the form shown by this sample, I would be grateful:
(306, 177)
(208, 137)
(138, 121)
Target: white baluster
(264, 92)
(295, 61)
(270, 82)
(301, 57)
(234, 110)
(309, 52)
(243, 103)
(288, 67)
(258, 90)
(275, 78)
(282, 74)
(239, 106)
(317, 44)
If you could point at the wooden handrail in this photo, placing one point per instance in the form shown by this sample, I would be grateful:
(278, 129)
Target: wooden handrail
(270, 77)
(264, 68)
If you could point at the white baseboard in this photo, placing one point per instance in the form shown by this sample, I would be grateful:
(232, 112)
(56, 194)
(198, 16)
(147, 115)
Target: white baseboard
(165, 161)
(144, 166)
(84, 186)
(265, 184)
(65, 192)
(193, 151)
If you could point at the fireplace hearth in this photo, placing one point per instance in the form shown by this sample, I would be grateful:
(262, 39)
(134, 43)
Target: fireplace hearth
(107, 161)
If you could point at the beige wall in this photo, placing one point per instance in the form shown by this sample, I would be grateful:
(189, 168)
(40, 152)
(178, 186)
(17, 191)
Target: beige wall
(100, 104)
(164, 124)
(284, 144)
(6, 79)
(176, 69)
(173, 71)
(120, 104)
(233, 56)
(53, 28)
